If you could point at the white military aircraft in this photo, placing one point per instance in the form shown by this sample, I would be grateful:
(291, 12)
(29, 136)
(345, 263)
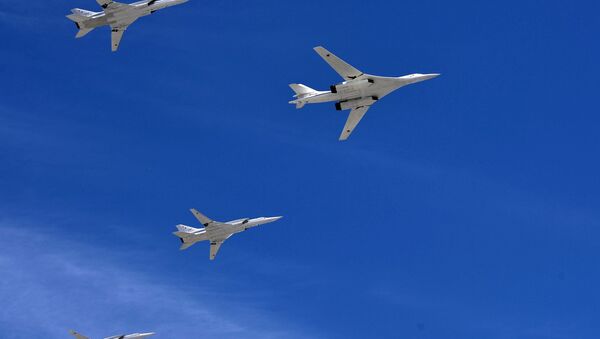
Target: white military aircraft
(216, 232)
(127, 336)
(357, 93)
(116, 15)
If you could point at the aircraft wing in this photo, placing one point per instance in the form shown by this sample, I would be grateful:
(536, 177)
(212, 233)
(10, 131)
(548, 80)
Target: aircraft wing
(118, 29)
(356, 114)
(214, 248)
(204, 220)
(116, 36)
(109, 4)
(343, 68)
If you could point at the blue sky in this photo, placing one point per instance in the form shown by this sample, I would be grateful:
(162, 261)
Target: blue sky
(462, 207)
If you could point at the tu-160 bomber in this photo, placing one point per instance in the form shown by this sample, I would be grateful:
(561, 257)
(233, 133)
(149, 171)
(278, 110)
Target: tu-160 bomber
(124, 336)
(357, 93)
(216, 232)
(116, 15)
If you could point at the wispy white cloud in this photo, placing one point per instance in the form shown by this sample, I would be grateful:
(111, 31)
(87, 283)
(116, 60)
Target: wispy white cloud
(50, 284)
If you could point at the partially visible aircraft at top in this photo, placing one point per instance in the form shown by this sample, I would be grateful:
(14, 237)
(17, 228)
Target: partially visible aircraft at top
(116, 15)
(358, 92)
(124, 336)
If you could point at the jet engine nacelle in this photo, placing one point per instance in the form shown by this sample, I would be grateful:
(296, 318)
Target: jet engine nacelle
(351, 86)
(351, 104)
(240, 221)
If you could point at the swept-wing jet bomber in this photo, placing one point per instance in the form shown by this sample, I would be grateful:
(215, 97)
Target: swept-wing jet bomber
(358, 92)
(216, 232)
(116, 15)
(125, 336)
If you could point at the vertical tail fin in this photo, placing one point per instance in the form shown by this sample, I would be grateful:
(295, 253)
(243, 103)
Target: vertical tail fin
(186, 229)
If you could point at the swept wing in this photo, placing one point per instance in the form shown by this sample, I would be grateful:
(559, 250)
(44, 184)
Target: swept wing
(356, 114)
(340, 66)
(214, 248)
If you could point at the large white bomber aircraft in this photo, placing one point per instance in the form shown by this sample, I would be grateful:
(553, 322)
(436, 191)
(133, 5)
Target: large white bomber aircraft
(127, 336)
(216, 232)
(357, 93)
(116, 15)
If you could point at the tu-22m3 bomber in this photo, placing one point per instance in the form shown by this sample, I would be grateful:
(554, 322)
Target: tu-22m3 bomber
(216, 232)
(116, 15)
(123, 336)
(358, 92)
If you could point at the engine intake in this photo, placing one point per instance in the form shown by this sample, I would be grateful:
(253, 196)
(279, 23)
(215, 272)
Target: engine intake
(351, 86)
(355, 103)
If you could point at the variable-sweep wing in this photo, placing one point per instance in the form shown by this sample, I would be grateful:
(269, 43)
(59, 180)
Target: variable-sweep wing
(115, 37)
(340, 66)
(118, 29)
(214, 248)
(204, 220)
(110, 5)
(356, 114)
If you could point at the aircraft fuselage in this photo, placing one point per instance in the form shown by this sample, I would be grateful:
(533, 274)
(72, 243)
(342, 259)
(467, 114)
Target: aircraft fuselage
(133, 11)
(362, 89)
(227, 229)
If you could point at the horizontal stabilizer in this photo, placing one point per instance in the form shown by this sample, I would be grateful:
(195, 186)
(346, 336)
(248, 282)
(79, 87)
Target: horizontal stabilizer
(83, 32)
(301, 90)
(186, 240)
(181, 235)
(186, 245)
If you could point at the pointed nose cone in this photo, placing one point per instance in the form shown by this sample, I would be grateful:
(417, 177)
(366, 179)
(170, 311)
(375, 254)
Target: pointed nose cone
(272, 219)
(430, 76)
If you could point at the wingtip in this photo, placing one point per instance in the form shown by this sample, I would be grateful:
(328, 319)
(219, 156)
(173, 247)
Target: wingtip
(343, 136)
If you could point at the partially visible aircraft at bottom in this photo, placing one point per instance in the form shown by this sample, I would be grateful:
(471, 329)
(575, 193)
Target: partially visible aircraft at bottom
(124, 336)
(216, 232)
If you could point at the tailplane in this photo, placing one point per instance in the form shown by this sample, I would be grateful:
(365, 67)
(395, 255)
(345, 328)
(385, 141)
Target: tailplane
(186, 235)
(79, 17)
(302, 91)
